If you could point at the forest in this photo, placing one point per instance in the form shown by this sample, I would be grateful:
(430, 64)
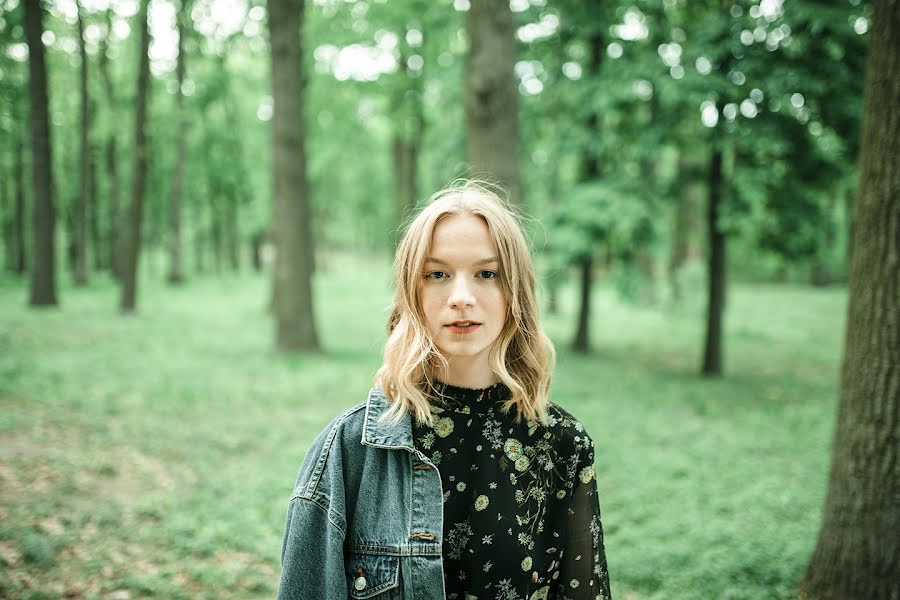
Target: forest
(200, 201)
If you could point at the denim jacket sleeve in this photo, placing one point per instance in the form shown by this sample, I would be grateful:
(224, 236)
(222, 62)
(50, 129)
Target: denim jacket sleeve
(312, 555)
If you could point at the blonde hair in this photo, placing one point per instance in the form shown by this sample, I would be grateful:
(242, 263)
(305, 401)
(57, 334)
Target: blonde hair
(522, 357)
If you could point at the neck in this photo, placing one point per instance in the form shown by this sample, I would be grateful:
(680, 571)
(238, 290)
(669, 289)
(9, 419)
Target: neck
(468, 374)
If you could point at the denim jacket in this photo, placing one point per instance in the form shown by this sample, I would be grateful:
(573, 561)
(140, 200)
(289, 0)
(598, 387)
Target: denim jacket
(365, 518)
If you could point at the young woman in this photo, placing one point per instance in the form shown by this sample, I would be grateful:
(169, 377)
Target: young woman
(457, 478)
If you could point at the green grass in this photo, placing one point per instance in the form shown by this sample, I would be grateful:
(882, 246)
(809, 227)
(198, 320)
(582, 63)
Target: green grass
(153, 455)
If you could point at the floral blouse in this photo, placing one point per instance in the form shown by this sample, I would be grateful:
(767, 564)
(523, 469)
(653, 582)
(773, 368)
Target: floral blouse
(521, 515)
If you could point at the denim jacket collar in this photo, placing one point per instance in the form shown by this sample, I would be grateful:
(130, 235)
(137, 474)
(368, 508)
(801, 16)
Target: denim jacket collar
(385, 434)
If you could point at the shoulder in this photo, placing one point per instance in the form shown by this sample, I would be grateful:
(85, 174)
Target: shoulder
(569, 433)
(342, 431)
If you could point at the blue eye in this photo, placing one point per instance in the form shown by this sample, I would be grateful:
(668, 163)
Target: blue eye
(487, 274)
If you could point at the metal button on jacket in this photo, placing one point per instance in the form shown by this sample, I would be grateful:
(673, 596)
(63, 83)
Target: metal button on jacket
(360, 584)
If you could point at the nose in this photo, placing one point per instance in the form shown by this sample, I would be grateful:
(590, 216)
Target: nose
(461, 294)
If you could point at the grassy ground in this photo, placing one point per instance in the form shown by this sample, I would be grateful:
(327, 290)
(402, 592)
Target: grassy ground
(153, 456)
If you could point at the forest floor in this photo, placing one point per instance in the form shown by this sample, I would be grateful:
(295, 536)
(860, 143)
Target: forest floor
(152, 456)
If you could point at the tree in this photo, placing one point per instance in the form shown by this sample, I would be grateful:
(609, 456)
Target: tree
(132, 242)
(84, 167)
(43, 215)
(113, 239)
(175, 258)
(292, 285)
(492, 95)
(858, 552)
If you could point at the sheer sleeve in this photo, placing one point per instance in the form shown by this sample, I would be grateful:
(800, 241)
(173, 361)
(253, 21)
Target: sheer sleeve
(583, 574)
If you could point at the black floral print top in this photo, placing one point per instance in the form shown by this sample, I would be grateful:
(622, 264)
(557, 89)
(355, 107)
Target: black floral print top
(521, 515)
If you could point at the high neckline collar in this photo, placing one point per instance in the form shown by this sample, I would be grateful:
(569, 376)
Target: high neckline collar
(452, 394)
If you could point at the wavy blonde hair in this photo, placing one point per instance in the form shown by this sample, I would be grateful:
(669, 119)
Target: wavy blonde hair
(522, 357)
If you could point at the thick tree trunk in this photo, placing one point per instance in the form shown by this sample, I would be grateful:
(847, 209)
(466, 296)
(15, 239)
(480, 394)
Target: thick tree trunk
(408, 125)
(80, 214)
(582, 341)
(857, 555)
(712, 355)
(292, 283)
(175, 255)
(492, 95)
(139, 172)
(43, 214)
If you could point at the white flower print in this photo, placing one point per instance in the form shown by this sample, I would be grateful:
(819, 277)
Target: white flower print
(461, 486)
(574, 583)
(526, 563)
(513, 448)
(522, 463)
(427, 440)
(541, 593)
(586, 474)
(481, 502)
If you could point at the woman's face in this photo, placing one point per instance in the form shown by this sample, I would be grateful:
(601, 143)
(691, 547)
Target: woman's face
(460, 294)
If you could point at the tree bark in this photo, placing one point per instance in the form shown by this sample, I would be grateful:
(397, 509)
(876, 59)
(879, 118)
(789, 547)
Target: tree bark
(857, 555)
(43, 215)
(492, 95)
(176, 273)
(582, 341)
(132, 243)
(591, 168)
(408, 125)
(712, 356)
(80, 216)
(21, 262)
(292, 283)
(113, 238)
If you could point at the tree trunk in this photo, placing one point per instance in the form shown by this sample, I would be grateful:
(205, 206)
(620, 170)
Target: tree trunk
(857, 555)
(582, 341)
(94, 210)
(79, 216)
(139, 172)
(43, 214)
(20, 263)
(407, 139)
(292, 283)
(175, 255)
(232, 240)
(492, 95)
(712, 356)
(591, 168)
(115, 224)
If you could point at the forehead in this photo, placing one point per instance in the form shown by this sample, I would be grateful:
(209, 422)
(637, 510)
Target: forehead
(462, 235)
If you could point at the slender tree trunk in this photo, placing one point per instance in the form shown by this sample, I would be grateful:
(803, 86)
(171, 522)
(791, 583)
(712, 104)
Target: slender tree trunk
(115, 224)
(94, 210)
(43, 214)
(80, 216)
(492, 95)
(175, 255)
(19, 219)
(292, 298)
(590, 169)
(231, 235)
(139, 172)
(712, 356)
(857, 555)
(582, 341)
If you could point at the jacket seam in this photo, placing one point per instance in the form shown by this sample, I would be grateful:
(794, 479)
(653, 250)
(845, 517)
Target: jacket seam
(329, 514)
(316, 475)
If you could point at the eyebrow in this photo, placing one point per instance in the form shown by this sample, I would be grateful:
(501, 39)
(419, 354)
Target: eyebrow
(483, 261)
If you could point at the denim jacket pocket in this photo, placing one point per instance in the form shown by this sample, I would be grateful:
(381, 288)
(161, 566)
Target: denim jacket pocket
(373, 576)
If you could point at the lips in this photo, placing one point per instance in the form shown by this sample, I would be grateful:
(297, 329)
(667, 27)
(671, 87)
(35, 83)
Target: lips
(463, 326)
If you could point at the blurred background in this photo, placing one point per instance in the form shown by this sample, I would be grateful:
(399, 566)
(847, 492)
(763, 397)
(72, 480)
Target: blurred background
(200, 199)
